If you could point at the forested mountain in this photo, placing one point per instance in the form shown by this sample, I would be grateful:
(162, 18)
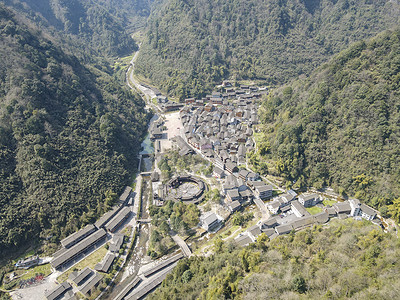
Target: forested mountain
(69, 136)
(100, 24)
(345, 260)
(192, 44)
(341, 126)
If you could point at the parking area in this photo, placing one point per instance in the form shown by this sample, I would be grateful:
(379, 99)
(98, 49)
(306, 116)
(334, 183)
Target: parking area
(174, 125)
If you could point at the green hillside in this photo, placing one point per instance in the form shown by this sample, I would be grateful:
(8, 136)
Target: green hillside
(69, 134)
(102, 25)
(345, 260)
(191, 45)
(341, 126)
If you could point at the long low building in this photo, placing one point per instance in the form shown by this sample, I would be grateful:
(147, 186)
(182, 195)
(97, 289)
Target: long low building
(147, 287)
(79, 277)
(123, 199)
(104, 219)
(78, 236)
(118, 219)
(62, 291)
(66, 256)
(105, 265)
(128, 288)
(163, 264)
(90, 284)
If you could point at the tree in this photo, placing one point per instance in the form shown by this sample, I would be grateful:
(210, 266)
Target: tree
(262, 241)
(394, 209)
(299, 284)
(110, 199)
(218, 245)
(187, 276)
(238, 219)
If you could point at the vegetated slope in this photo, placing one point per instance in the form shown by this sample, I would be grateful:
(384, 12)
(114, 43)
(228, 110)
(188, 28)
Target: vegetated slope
(68, 134)
(341, 127)
(101, 25)
(347, 259)
(193, 44)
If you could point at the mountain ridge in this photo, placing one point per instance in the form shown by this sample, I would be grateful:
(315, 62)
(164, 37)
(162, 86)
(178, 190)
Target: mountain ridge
(339, 127)
(68, 134)
(191, 42)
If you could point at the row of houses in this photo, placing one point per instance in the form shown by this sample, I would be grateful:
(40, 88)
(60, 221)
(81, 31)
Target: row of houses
(352, 208)
(273, 227)
(78, 243)
(85, 281)
(283, 202)
(217, 98)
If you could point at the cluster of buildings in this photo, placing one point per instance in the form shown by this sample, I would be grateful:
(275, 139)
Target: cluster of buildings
(82, 241)
(221, 129)
(353, 208)
(167, 105)
(242, 187)
(85, 282)
(242, 93)
(300, 218)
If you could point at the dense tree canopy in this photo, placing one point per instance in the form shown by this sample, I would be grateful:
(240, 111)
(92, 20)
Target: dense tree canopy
(69, 135)
(347, 259)
(193, 44)
(340, 127)
(101, 24)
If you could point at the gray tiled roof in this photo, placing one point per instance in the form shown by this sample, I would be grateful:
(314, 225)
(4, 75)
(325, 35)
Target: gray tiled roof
(105, 265)
(80, 276)
(118, 218)
(77, 236)
(243, 240)
(254, 231)
(58, 291)
(300, 208)
(282, 229)
(90, 283)
(367, 210)
(78, 248)
(107, 217)
(342, 207)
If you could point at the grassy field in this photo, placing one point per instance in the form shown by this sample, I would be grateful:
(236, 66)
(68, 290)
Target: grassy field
(314, 210)
(89, 261)
(228, 232)
(123, 62)
(44, 269)
(26, 274)
(328, 202)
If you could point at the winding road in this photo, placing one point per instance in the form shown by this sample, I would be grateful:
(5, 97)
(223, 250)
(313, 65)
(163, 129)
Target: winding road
(130, 78)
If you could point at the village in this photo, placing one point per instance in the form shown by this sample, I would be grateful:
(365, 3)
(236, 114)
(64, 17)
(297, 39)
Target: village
(219, 130)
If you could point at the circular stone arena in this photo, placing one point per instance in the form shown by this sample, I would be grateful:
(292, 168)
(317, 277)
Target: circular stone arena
(188, 189)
